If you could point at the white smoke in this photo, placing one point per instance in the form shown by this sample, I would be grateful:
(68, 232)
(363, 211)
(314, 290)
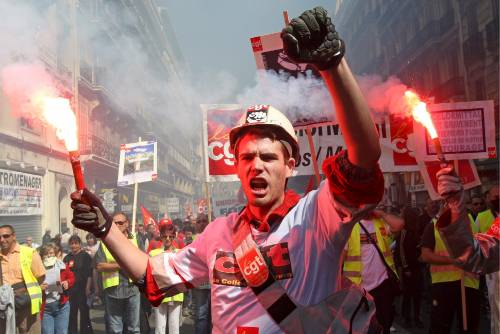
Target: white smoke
(384, 97)
(303, 98)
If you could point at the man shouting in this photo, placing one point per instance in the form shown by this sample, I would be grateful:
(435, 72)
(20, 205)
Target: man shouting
(276, 266)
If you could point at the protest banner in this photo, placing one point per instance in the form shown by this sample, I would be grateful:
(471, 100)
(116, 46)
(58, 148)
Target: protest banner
(173, 205)
(218, 121)
(227, 197)
(202, 205)
(138, 163)
(397, 151)
(269, 55)
(465, 169)
(20, 193)
(107, 196)
(466, 130)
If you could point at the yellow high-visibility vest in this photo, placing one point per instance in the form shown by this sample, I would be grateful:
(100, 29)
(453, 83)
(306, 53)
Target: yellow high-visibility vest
(449, 272)
(353, 263)
(484, 220)
(112, 278)
(34, 290)
(176, 298)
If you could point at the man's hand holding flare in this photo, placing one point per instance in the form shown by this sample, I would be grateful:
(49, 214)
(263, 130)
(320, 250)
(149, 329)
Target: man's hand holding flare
(89, 213)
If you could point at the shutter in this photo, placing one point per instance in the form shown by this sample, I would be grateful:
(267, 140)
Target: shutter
(25, 226)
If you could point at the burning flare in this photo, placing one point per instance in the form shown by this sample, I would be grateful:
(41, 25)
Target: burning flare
(56, 111)
(420, 113)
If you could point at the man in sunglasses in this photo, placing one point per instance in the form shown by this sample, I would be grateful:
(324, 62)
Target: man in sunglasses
(121, 296)
(21, 268)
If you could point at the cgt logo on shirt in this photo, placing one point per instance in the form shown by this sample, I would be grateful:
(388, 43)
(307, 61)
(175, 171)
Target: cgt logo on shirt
(227, 272)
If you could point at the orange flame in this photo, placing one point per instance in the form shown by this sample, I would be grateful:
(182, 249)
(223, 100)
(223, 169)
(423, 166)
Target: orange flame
(420, 113)
(56, 111)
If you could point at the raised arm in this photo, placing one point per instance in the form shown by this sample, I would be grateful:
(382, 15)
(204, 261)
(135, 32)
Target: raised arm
(94, 218)
(353, 115)
(311, 38)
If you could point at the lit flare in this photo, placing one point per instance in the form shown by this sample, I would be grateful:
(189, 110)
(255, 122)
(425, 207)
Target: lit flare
(420, 113)
(56, 111)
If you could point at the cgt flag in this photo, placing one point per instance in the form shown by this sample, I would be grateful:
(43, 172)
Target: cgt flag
(147, 218)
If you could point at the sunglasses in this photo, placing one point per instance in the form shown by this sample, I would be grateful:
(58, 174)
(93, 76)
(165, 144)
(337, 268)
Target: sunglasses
(476, 204)
(120, 222)
(5, 236)
(168, 236)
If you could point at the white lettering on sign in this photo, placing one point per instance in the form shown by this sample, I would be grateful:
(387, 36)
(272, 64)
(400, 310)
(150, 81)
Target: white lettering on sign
(222, 152)
(460, 131)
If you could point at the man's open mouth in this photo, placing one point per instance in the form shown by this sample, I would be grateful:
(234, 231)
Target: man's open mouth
(258, 185)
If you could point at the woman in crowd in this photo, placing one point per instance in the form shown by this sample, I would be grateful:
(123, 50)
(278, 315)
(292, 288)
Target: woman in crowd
(80, 264)
(169, 310)
(55, 307)
(91, 249)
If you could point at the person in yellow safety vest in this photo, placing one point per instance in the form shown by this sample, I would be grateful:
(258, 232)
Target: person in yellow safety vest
(446, 284)
(121, 296)
(364, 266)
(478, 253)
(169, 310)
(22, 268)
(485, 220)
(477, 205)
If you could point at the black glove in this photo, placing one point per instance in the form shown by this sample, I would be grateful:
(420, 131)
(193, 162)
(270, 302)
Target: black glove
(89, 214)
(311, 38)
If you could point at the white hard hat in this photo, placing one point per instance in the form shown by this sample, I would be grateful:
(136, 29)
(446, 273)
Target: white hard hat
(267, 116)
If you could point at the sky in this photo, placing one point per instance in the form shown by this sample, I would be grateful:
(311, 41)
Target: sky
(214, 35)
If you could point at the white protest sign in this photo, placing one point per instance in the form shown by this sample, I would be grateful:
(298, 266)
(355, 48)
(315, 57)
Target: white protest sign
(172, 205)
(466, 130)
(144, 156)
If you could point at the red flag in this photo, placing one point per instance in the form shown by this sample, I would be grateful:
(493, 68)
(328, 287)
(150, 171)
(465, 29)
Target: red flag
(147, 218)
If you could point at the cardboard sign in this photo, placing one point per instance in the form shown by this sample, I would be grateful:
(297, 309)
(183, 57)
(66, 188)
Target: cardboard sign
(173, 205)
(269, 55)
(464, 168)
(138, 163)
(466, 130)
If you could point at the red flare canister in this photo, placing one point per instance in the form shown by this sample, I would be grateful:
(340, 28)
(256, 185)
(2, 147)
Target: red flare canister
(74, 157)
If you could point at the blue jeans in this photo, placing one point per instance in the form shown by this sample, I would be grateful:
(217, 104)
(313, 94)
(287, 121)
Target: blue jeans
(120, 312)
(55, 318)
(203, 319)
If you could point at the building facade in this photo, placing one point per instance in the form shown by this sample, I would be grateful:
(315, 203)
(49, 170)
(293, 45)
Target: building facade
(446, 50)
(82, 47)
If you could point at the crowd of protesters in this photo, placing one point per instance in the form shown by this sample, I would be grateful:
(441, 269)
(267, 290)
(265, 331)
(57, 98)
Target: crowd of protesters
(402, 241)
(65, 278)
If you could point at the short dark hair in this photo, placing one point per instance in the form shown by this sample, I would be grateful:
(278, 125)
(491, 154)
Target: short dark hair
(9, 227)
(188, 228)
(44, 250)
(168, 228)
(74, 238)
(121, 213)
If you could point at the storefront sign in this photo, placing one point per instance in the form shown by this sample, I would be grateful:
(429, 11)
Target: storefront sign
(20, 193)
